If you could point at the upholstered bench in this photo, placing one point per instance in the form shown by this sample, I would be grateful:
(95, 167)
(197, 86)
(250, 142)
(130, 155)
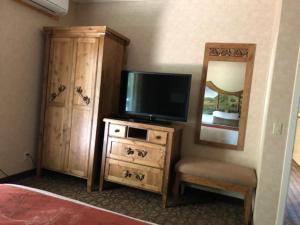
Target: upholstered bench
(218, 175)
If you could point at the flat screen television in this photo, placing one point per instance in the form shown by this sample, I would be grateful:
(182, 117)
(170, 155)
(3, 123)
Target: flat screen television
(155, 96)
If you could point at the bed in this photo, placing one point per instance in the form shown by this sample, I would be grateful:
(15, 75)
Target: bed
(20, 205)
(220, 127)
(222, 118)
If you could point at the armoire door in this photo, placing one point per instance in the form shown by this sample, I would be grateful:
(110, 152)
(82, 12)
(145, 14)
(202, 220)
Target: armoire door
(86, 51)
(57, 120)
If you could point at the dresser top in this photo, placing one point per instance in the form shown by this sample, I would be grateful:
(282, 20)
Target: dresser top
(154, 126)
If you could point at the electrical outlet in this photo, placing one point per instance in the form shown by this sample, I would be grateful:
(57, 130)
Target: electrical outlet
(27, 156)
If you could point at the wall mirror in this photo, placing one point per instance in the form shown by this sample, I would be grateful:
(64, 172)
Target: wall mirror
(224, 95)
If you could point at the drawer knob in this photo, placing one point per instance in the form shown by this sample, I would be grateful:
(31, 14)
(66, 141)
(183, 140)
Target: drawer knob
(117, 130)
(139, 177)
(142, 153)
(130, 151)
(158, 137)
(126, 173)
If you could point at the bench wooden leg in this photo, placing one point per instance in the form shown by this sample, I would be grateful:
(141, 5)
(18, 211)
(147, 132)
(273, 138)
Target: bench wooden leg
(164, 200)
(176, 188)
(248, 206)
(182, 188)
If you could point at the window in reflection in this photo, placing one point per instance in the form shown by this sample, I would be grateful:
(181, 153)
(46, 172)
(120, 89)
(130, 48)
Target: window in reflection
(221, 109)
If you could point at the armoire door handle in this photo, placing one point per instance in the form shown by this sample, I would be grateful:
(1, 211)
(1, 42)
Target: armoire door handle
(86, 99)
(60, 89)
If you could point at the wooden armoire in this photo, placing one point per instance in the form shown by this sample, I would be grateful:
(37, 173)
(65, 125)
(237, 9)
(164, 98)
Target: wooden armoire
(81, 86)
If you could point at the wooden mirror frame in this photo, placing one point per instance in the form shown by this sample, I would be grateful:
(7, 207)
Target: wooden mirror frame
(230, 52)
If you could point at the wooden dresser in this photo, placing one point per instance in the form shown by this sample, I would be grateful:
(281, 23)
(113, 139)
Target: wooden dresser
(140, 155)
(81, 86)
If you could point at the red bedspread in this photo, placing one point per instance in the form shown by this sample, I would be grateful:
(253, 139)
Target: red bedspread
(20, 206)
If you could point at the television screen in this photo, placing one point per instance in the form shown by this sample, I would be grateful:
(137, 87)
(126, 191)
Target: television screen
(157, 95)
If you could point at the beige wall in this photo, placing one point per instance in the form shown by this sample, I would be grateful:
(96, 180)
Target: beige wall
(170, 36)
(273, 151)
(21, 55)
(229, 76)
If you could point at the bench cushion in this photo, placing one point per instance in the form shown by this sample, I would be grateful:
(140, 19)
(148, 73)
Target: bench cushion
(217, 170)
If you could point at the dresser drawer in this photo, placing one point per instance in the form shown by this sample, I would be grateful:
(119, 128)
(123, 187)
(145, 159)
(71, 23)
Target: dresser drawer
(134, 175)
(158, 137)
(137, 152)
(116, 130)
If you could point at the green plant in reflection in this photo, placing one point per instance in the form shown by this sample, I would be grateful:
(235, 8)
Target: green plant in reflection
(221, 102)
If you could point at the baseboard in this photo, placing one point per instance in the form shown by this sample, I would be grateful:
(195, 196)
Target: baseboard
(17, 176)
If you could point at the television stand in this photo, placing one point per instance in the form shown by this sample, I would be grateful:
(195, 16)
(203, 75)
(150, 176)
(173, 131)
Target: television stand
(140, 155)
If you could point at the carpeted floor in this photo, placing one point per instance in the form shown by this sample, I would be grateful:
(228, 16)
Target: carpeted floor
(196, 207)
(292, 212)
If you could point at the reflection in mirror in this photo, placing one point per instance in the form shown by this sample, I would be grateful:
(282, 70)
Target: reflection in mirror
(224, 95)
(222, 101)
